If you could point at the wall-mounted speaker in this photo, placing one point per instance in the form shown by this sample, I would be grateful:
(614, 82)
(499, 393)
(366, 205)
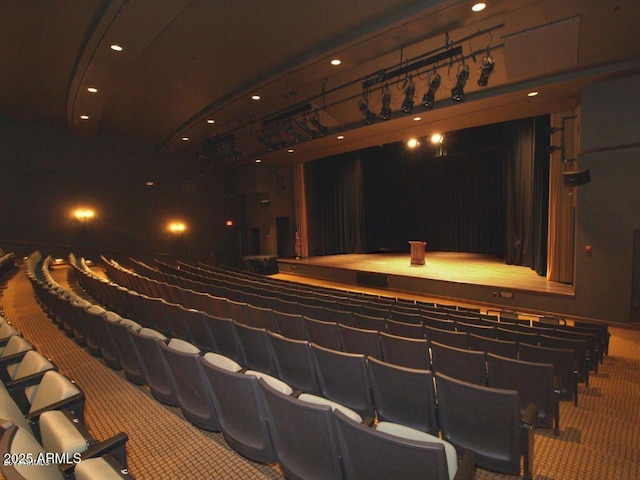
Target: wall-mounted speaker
(576, 177)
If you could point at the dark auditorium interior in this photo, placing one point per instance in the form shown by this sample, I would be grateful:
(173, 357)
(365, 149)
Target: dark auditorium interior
(320, 239)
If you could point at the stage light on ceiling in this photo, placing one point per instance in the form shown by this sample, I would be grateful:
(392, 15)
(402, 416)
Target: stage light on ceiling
(385, 111)
(457, 92)
(369, 116)
(429, 98)
(488, 62)
(258, 160)
(409, 93)
(436, 138)
(320, 128)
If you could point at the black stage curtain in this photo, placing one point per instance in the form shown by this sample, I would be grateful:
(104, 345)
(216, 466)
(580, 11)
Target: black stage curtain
(335, 208)
(527, 190)
(485, 191)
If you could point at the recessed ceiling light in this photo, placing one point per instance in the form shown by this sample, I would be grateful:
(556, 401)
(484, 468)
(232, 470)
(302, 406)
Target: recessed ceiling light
(290, 150)
(149, 184)
(185, 139)
(340, 137)
(532, 94)
(417, 119)
(255, 97)
(84, 117)
(116, 48)
(335, 62)
(92, 90)
(478, 7)
(258, 160)
(211, 121)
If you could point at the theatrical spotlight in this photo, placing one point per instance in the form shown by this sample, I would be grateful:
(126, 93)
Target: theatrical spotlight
(321, 129)
(409, 93)
(307, 129)
(488, 62)
(429, 98)
(457, 92)
(385, 111)
(369, 116)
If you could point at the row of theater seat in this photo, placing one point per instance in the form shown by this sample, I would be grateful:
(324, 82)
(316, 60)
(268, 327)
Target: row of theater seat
(42, 431)
(149, 357)
(7, 262)
(197, 327)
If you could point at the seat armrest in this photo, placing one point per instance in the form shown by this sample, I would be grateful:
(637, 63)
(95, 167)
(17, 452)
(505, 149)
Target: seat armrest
(17, 391)
(530, 415)
(368, 421)
(74, 404)
(114, 446)
(467, 466)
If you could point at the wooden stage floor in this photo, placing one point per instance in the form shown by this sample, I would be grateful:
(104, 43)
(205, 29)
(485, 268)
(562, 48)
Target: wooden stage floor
(455, 267)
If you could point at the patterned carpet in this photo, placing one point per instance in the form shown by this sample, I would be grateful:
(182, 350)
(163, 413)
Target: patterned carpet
(600, 439)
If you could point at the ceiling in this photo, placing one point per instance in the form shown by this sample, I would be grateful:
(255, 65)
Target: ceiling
(184, 62)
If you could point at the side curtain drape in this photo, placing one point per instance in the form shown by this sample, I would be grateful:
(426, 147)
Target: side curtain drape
(527, 192)
(335, 206)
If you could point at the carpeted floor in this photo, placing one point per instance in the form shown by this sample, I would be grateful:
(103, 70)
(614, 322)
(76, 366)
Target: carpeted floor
(600, 439)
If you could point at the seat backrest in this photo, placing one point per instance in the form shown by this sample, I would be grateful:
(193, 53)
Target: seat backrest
(304, 436)
(290, 325)
(158, 374)
(294, 363)
(358, 340)
(447, 337)
(256, 348)
(325, 334)
(480, 330)
(31, 363)
(202, 336)
(343, 378)
(369, 322)
(15, 345)
(223, 332)
(533, 381)
(261, 317)
(403, 395)
(485, 420)
(467, 365)
(376, 455)
(19, 442)
(408, 352)
(403, 329)
(504, 348)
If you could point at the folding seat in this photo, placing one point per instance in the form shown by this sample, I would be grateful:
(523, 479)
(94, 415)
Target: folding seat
(294, 363)
(580, 349)
(245, 429)
(487, 421)
(218, 307)
(312, 311)
(402, 329)
(287, 306)
(238, 311)
(290, 325)
(603, 333)
(76, 320)
(518, 336)
(564, 367)
(14, 349)
(325, 334)
(255, 347)
(343, 317)
(6, 332)
(533, 381)
(407, 352)
(93, 315)
(129, 355)
(435, 313)
(193, 389)
(401, 313)
(480, 330)
(592, 350)
(375, 310)
(94, 459)
(158, 375)
(403, 395)
(504, 348)
(226, 339)
(304, 436)
(262, 317)
(440, 324)
(343, 378)
(108, 346)
(200, 333)
(368, 322)
(20, 367)
(358, 340)
(395, 451)
(447, 337)
(173, 314)
(467, 365)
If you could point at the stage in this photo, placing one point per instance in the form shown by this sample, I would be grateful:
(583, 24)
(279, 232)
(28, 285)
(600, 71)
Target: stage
(451, 275)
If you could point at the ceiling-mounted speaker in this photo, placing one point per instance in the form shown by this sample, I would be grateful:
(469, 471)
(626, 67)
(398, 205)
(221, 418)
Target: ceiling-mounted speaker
(576, 177)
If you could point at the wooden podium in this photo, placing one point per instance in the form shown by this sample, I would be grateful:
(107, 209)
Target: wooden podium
(417, 252)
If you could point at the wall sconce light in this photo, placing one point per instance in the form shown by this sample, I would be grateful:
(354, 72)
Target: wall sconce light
(177, 229)
(457, 92)
(84, 217)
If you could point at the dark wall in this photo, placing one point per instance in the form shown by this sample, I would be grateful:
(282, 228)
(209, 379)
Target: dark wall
(45, 173)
